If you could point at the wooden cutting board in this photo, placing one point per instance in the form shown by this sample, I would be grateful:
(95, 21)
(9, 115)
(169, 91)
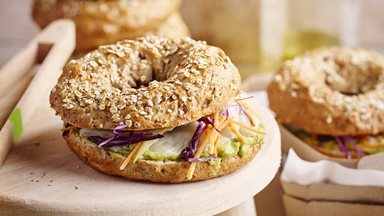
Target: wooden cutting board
(42, 176)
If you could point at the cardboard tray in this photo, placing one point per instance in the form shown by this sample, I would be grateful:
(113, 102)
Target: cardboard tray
(332, 199)
(326, 198)
(335, 193)
(298, 207)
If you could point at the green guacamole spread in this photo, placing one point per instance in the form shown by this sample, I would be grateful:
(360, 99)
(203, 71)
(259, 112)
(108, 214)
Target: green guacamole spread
(225, 149)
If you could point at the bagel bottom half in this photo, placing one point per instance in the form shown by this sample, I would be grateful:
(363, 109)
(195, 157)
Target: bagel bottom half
(154, 171)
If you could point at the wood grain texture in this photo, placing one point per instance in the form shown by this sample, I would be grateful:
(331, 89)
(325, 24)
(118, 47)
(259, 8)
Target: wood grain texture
(42, 177)
(52, 48)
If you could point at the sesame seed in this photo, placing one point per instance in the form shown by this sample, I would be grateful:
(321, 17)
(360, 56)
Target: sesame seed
(102, 106)
(143, 113)
(113, 109)
(93, 63)
(329, 119)
(128, 123)
(143, 78)
(116, 118)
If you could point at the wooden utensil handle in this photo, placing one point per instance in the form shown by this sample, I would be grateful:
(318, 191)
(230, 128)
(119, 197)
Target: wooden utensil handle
(56, 43)
(17, 67)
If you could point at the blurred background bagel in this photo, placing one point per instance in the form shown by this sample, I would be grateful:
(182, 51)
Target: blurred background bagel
(101, 22)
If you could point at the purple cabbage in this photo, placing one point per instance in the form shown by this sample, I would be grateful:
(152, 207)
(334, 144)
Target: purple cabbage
(225, 112)
(351, 141)
(123, 137)
(209, 121)
(188, 153)
(96, 139)
(245, 113)
(342, 147)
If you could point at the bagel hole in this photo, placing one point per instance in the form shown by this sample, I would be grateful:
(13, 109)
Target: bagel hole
(139, 78)
(350, 79)
(144, 69)
(146, 72)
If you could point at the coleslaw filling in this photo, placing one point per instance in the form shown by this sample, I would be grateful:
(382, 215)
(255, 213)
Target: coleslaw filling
(348, 147)
(182, 143)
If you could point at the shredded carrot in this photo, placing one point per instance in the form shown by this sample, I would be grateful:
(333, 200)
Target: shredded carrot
(246, 106)
(211, 140)
(212, 135)
(191, 170)
(237, 133)
(203, 144)
(248, 127)
(221, 124)
(199, 151)
(228, 121)
(370, 144)
(248, 111)
(130, 156)
(216, 121)
(68, 128)
(215, 146)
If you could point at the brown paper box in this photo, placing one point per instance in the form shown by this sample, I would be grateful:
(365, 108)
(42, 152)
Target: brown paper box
(297, 207)
(332, 199)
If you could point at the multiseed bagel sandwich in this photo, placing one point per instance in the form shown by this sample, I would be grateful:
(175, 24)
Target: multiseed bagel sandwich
(156, 109)
(101, 22)
(333, 99)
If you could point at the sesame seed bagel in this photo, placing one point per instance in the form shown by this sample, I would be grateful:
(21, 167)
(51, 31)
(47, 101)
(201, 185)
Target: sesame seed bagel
(154, 171)
(111, 20)
(101, 16)
(173, 27)
(148, 83)
(331, 91)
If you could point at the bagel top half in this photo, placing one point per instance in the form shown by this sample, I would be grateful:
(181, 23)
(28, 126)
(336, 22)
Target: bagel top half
(147, 83)
(331, 91)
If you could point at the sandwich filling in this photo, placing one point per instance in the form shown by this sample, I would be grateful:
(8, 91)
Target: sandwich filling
(231, 132)
(342, 146)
